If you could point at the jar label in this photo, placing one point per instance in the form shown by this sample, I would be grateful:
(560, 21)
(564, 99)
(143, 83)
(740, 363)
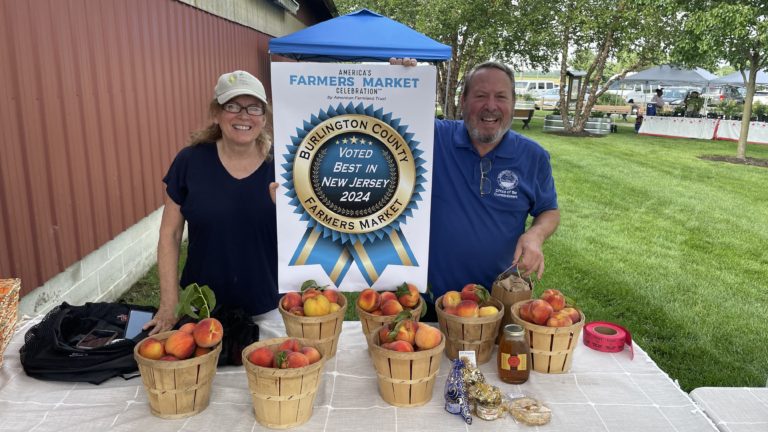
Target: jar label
(513, 362)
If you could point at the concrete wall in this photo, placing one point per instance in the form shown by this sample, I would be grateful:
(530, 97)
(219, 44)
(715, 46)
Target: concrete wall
(103, 275)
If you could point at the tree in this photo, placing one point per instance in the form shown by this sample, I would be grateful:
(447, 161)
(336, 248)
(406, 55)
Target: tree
(731, 31)
(476, 31)
(601, 36)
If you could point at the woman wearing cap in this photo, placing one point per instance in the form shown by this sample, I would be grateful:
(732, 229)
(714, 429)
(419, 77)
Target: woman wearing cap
(221, 185)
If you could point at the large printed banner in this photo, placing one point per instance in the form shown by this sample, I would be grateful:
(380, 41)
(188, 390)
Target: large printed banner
(353, 156)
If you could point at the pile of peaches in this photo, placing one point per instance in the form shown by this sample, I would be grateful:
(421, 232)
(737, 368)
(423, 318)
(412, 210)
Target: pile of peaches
(312, 302)
(407, 335)
(469, 303)
(389, 302)
(287, 355)
(190, 340)
(550, 310)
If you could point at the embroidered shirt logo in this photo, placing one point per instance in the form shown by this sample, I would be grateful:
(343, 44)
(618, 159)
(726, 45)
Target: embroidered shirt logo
(507, 181)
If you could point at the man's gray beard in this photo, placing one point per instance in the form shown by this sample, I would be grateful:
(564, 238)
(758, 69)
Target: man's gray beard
(474, 133)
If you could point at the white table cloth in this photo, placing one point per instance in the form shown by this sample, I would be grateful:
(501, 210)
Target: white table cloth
(731, 130)
(602, 392)
(735, 409)
(679, 127)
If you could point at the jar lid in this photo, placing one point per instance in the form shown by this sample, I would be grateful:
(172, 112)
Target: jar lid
(514, 330)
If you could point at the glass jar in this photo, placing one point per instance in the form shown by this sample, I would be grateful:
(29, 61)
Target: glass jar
(514, 358)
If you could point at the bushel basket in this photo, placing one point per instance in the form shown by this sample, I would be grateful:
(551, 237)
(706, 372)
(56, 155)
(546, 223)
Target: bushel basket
(406, 379)
(283, 398)
(371, 322)
(470, 334)
(323, 329)
(551, 347)
(178, 389)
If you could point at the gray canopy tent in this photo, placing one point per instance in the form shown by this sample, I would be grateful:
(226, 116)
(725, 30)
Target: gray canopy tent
(735, 79)
(671, 75)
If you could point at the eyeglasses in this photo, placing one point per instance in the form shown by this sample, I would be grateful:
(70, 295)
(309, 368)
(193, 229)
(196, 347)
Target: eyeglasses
(235, 108)
(485, 181)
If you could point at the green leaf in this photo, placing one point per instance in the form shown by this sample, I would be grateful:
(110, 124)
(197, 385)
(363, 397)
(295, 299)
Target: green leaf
(308, 284)
(196, 301)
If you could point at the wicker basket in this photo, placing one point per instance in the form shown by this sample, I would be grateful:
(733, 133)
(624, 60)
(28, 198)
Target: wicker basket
(371, 322)
(283, 398)
(406, 379)
(551, 347)
(470, 334)
(178, 389)
(9, 311)
(323, 329)
(509, 289)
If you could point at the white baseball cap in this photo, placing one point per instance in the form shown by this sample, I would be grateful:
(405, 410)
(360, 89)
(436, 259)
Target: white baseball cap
(239, 83)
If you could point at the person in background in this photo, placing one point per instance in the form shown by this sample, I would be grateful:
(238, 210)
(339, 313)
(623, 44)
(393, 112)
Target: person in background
(222, 186)
(658, 100)
(487, 180)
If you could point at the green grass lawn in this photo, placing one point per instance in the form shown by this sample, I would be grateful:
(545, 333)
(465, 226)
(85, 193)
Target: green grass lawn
(671, 246)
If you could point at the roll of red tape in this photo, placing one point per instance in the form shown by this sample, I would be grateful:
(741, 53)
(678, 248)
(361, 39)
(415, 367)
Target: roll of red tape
(607, 337)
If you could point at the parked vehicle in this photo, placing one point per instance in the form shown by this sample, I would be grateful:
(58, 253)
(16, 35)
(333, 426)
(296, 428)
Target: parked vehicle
(534, 88)
(550, 99)
(760, 96)
(639, 93)
(676, 95)
(715, 95)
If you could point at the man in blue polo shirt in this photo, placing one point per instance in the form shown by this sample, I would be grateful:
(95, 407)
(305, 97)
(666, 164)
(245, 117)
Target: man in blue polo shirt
(487, 179)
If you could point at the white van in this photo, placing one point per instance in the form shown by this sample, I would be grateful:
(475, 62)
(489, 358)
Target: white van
(638, 93)
(534, 88)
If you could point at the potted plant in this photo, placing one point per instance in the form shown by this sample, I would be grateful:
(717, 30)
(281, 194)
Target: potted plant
(760, 110)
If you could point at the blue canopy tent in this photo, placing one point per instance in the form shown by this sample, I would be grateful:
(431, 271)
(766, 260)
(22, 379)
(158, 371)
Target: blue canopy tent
(359, 36)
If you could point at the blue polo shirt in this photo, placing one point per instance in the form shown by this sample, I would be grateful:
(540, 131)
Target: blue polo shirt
(473, 236)
(232, 228)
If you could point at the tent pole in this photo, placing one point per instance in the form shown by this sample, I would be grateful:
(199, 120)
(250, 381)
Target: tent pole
(447, 82)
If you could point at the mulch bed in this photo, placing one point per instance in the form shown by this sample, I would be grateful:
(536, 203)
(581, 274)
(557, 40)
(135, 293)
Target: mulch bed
(763, 163)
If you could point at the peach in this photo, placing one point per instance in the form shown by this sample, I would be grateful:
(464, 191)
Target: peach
(428, 337)
(151, 348)
(385, 335)
(291, 300)
(399, 345)
(391, 307)
(559, 319)
(262, 356)
(450, 310)
(308, 294)
(475, 292)
(369, 300)
(406, 330)
(540, 311)
(180, 345)
(199, 351)
(208, 332)
(386, 295)
(168, 358)
(188, 327)
(408, 295)
(296, 360)
(289, 345)
(332, 295)
(297, 310)
(554, 298)
(487, 311)
(377, 312)
(335, 307)
(280, 361)
(451, 298)
(313, 355)
(573, 313)
(525, 312)
(468, 309)
(317, 306)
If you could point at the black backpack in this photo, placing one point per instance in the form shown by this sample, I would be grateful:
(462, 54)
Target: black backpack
(50, 352)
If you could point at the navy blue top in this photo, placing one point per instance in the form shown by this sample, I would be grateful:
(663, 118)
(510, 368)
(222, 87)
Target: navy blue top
(473, 237)
(232, 228)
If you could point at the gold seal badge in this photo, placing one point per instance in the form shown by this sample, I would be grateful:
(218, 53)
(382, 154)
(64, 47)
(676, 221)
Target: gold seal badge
(354, 173)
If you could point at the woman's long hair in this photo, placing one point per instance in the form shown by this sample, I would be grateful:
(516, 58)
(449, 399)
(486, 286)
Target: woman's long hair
(212, 133)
